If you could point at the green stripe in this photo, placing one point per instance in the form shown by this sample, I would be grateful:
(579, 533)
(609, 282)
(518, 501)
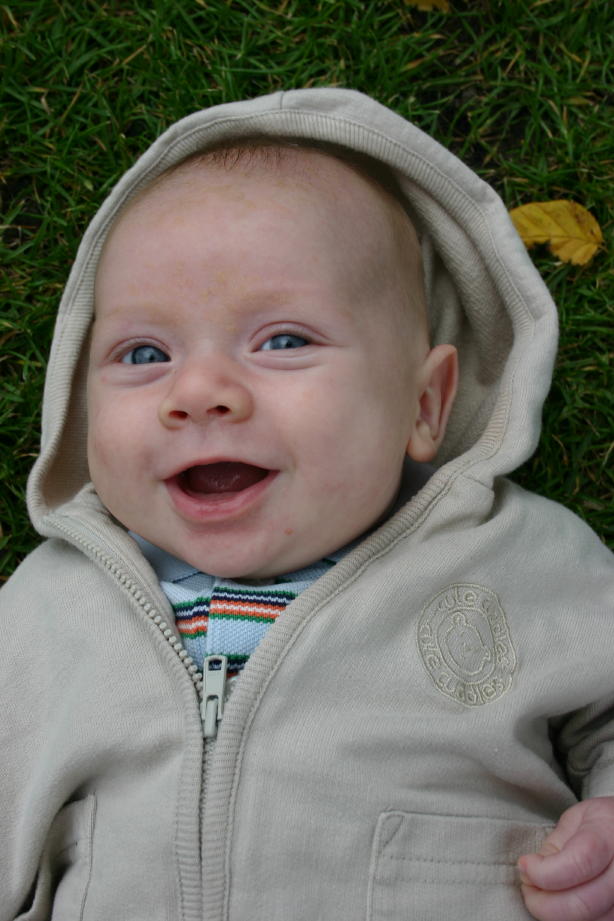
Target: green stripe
(255, 619)
(184, 605)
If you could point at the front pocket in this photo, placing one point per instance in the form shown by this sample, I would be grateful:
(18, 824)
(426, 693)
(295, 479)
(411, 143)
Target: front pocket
(439, 867)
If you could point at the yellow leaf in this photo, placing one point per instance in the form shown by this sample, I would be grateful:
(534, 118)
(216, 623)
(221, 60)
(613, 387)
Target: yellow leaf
(426, 5)
(571, 232)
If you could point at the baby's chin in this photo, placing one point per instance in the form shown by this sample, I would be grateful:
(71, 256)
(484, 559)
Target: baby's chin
(257, 575)
(249, 570)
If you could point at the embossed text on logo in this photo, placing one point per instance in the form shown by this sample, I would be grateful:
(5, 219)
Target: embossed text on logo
(465, 643)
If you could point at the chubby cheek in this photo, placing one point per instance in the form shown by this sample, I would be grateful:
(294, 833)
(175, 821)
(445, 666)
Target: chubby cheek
(104, 462)
(112, 442)
(96, 452)
(349, 449)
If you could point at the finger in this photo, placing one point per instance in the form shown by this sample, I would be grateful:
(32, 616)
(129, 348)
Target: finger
(593, 901)
(559, 913)
(584, 857)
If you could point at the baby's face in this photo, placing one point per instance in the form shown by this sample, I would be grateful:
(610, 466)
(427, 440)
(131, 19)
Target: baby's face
(254, 374)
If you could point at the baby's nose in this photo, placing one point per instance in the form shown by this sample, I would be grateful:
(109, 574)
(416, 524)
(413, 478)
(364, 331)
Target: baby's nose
(204, 390)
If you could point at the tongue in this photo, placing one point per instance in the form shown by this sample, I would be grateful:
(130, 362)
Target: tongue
(228, 476)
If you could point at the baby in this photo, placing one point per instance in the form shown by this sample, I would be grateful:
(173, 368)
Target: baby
(263, 406)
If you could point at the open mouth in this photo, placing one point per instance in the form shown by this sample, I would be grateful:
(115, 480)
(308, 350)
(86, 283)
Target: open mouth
(223, 477)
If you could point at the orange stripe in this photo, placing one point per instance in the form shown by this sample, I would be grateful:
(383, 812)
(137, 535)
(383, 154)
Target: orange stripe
(192, 631)
(239, 607)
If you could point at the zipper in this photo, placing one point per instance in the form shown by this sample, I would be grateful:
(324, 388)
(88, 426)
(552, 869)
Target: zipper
(215, 670)
(215, 667)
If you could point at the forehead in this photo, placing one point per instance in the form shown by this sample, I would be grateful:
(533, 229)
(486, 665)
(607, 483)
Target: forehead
(305, 177)
(298, 195)
(302, 201)
(309, 181)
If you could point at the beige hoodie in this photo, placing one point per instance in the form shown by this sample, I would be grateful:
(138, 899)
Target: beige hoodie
(414, 721)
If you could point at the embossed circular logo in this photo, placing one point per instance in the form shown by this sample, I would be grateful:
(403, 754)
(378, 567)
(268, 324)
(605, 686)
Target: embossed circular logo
(465, 644)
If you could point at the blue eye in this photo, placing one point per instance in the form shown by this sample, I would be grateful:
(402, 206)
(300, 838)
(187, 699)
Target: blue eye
(143, 355)
(284, 341)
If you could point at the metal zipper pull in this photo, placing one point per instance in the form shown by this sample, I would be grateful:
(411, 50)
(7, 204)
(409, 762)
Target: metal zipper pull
(214, 689)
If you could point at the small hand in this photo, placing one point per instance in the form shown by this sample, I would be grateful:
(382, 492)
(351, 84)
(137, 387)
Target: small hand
(572, 877)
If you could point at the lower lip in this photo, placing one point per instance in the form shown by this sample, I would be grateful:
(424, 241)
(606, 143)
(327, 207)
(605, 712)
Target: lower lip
(220, 506)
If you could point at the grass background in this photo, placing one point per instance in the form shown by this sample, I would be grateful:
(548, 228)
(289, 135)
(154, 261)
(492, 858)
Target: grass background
(518, 89)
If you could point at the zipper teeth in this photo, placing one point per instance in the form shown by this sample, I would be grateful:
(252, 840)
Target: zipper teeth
(144, 603)
(169, 635)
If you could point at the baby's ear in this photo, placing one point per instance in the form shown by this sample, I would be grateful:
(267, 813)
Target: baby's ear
(437, 382)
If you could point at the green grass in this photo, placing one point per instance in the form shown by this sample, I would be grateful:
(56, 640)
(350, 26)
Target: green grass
(518, 89)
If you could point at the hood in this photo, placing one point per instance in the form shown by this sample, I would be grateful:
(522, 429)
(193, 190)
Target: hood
(483, 291)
